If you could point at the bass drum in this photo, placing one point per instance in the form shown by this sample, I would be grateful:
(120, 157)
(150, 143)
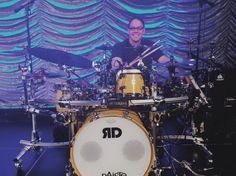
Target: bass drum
(112, 142)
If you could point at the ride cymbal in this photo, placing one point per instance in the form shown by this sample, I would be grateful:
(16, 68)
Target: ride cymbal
(61, 57)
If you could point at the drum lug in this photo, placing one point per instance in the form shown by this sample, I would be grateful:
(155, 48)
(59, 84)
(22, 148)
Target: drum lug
(126, 115)
(94, 117)
(69, 170)
(122, 88)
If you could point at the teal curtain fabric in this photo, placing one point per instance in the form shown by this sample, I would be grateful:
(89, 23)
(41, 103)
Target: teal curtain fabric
(81, 26)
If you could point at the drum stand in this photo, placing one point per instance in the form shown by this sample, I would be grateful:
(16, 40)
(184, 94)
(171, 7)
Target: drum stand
(35, 143)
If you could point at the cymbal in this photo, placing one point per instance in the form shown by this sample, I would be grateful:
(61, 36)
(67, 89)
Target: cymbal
(53, 75)
(183, 65)
(183, 73)
(43, 74)
(44, 101)
(187, 61)
(61, 57)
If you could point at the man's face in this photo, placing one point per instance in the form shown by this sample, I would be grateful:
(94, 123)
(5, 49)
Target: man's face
(136, 30)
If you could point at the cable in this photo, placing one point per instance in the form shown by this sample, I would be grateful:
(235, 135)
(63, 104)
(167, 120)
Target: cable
(183, 163)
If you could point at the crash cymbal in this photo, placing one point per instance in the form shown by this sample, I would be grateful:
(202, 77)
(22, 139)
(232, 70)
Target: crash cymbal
(60, 57)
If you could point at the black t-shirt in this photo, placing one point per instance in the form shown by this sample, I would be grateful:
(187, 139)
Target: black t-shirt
(128, 53)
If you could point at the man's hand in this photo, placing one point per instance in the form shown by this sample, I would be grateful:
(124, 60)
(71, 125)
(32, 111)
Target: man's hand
(116, 63)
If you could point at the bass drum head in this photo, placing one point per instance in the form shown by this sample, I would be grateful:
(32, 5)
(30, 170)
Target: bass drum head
(112, 145)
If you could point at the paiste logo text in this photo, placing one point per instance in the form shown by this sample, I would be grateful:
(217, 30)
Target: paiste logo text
(115, 174)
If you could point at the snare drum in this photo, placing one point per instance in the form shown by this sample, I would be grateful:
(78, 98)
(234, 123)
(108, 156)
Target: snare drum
(112, 142)
(130, 83)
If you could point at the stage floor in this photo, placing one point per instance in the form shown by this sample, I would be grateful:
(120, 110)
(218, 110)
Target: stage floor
(16, 126)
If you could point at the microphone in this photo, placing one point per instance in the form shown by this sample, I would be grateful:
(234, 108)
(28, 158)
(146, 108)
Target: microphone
(23, 6)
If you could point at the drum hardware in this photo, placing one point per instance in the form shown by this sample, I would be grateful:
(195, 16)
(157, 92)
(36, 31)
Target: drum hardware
(154, 118)
(158, 100)
(79, 103)
(154, 91)
(70, 71)
(44, 144)
(35, 144)
(112, 103)
(199, 141)
(27, 84)
(32, 112)
(102, 67)
(123, 102)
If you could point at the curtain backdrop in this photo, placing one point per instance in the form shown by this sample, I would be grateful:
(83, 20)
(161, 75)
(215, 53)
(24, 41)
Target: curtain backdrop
(80, 26)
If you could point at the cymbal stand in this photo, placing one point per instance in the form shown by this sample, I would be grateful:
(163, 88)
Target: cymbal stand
(32, 112)
(71, 115)
(201, 4)
(103, 78)
(104, 71)
(35, 143)
(202, 99)
(70, 71)
(154, 119)
(34, 134)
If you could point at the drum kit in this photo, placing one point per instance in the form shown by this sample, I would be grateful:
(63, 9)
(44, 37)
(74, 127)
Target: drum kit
(108, 135)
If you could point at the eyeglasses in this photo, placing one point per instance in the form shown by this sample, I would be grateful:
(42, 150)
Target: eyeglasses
(136, 28)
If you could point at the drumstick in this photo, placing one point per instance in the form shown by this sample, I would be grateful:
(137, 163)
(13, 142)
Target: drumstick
(202, 95)
(138, 58)
(152, 51)
(145, 51)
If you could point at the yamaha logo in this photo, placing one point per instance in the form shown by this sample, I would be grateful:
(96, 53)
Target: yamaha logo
(115, 174)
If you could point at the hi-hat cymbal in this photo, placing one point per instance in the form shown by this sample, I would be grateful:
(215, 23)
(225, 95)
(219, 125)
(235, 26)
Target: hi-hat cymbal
(61, 57)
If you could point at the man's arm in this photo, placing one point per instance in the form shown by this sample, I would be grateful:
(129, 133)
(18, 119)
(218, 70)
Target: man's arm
(163, 59)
